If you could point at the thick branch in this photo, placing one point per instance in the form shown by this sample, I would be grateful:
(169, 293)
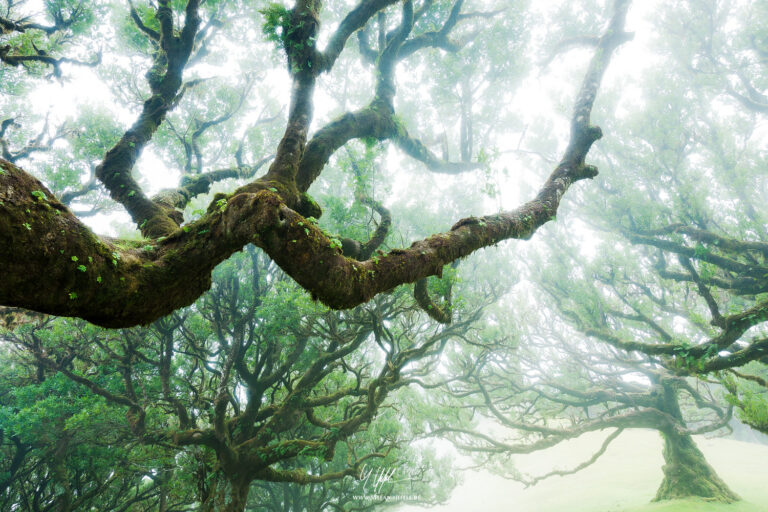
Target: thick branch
(355, 20)
(123, 286)
(115, 170)
(42, 58)
(373, 121)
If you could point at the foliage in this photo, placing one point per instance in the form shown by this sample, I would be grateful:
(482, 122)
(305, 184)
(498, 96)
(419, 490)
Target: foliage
(254, 376)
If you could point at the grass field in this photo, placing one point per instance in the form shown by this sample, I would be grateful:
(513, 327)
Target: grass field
(697, 506)
(623, 480)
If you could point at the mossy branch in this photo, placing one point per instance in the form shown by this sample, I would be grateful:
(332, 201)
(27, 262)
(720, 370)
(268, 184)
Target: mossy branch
(125, 286)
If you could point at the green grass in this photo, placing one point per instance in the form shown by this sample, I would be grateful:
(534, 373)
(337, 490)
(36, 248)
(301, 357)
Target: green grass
(697, 506)
(625, 479)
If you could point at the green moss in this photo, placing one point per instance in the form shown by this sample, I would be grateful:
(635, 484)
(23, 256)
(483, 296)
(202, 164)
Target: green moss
(308, 207)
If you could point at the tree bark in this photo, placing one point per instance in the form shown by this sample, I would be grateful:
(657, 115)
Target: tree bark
(238, 498)
(227, 496)
(687, 473)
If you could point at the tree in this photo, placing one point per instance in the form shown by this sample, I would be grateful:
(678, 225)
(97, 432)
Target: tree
(685, 281)
(554, 386)
(64, 450)
(252, 388)
(672, 283)
(117, 283)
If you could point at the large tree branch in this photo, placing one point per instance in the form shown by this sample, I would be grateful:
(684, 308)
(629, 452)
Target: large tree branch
(707, 353)
(42, 142)
(756, 350)
(115, 170)
(646, 418)
(717, 318)
(719, 241)
(299, 476)
(151, 33)
(437, 38)
(61, 22)
(723, 262)
(123, 286)
(372, 121)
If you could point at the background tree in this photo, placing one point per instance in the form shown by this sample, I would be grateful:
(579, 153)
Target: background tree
(665, 264)
(64, 449)
(671, 259)
(554, 386)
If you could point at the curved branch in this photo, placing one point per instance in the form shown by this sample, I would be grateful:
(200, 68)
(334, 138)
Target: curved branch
(355, 20)
(42, 58)
(599, 453)
(415, 149)
(60, 23)
(429, 306)
(372, 121)
(688, 252)
(717, 318)
(152, 34)
(647, 418)
(115, 170)
(125, 285)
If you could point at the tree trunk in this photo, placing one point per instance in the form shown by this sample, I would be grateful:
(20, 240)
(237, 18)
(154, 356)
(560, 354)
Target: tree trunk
(165, 480)
(686, 472)
(238, 497)
(226, 495)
